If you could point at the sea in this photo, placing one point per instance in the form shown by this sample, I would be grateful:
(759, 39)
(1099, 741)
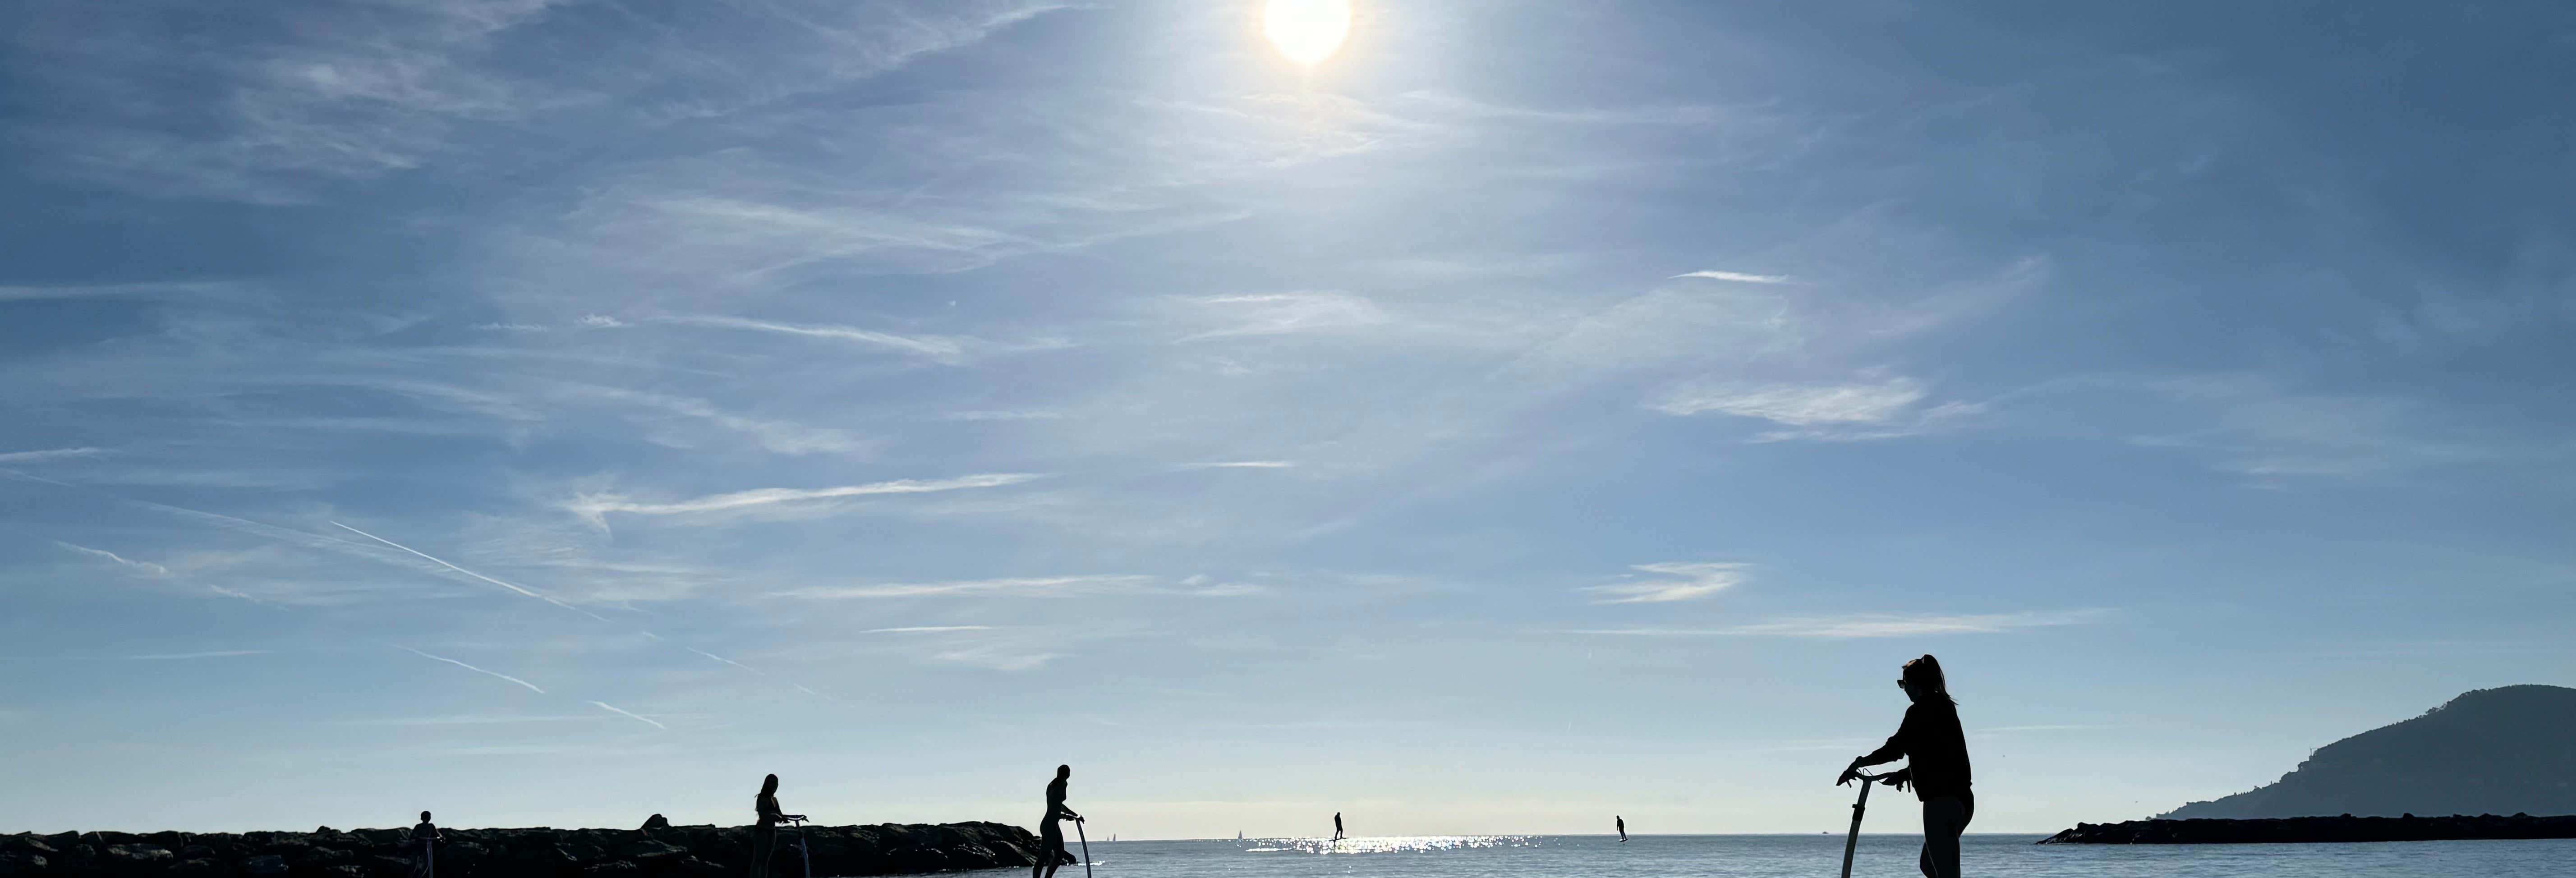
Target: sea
(1805, 856)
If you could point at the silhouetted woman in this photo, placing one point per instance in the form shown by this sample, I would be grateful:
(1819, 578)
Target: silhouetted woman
(1936, 755)
(423, 837)
(764, 835)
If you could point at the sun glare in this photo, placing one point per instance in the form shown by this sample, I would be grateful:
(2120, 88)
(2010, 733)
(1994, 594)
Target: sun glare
(1307, 31)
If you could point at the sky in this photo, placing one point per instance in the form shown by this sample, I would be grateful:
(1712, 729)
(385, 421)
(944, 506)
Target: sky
(555, 412)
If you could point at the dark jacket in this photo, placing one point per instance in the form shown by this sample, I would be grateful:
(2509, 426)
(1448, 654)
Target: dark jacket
(1936, 752)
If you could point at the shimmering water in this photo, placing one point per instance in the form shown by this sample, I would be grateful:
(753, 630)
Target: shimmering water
(1806, 856)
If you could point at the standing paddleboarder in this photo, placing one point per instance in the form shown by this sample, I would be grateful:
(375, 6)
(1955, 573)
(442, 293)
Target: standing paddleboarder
(1623, 826)
(1050, 835)
(1936, 754)
(1337, 826)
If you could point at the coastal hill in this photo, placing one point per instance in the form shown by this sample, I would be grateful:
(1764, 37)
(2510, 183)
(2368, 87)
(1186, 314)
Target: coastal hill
(2492, 751)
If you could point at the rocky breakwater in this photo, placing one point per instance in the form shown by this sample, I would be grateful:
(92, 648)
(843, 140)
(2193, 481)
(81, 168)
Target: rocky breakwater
(2346, 828)
(659, 851)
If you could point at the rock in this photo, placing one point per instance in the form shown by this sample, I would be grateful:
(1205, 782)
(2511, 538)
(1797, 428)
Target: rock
(693, 867)
(654, 822)
(2345, 828)
(667, 851)
(646, 851)
(134, 859)
(21, 863)
(918, 859)
(27, 843)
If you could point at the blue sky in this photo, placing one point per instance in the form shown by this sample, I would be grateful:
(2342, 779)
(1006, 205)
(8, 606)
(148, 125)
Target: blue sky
(560, 412)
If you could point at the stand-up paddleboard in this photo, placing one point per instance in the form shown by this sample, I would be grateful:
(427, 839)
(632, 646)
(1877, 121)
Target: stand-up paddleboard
(1853, 842)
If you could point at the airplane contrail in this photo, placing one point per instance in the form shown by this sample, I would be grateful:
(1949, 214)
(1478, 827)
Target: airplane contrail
(611, 708)
(525, 591)
(532, 687)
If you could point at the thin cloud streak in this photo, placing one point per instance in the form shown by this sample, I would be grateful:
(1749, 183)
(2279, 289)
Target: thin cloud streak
(1035, 586)
(1242, 464)
(532, 687)
(181, 656)
(1737, 277)
(467, 720)
(145, 566)
(611, 708)
(1867, 626)
(49, 454)
(937, 348)
(927, 629)
(1698, 580)
(595, 507)
(1796, 405)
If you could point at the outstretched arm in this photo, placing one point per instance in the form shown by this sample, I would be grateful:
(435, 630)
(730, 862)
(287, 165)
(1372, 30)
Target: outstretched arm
(1891, 751)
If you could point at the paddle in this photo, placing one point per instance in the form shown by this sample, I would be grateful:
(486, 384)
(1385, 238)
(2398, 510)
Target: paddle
(1086, 846)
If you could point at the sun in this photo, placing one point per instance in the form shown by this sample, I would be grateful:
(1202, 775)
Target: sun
(1307, 31)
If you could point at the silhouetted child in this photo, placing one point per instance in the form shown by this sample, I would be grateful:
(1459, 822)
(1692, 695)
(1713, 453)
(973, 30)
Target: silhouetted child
(1051, 836)
(425, 836)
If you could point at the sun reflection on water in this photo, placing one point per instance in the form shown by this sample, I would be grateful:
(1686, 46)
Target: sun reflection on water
(1389, 844)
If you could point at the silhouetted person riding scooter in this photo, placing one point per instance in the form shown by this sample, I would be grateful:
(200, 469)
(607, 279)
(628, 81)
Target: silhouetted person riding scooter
(1936, 754)
(764, 835)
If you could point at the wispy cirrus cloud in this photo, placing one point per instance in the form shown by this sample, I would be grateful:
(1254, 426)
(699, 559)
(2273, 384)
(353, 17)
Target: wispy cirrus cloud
(927, 629)
(131, 564)
(1283, 313)
(48, 454)
(783, 437)
(1737, 277)
(1021, 586)
(940, 349)
(130, 290)
(1030, 586)
(1686, 581)
(596, 507)
(1873, 625)
(1796, 405)
(182, 656)
(468, 720)
(1242, 464)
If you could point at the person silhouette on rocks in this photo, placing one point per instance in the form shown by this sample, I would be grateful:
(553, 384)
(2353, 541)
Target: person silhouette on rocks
(425, 838)
(764, 835)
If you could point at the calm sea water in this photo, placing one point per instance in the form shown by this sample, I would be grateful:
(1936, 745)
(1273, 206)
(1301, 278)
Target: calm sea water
(1806, 856)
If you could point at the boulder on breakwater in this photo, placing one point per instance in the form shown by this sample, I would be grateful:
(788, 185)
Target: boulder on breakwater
(2345, 828)
(662, 851)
